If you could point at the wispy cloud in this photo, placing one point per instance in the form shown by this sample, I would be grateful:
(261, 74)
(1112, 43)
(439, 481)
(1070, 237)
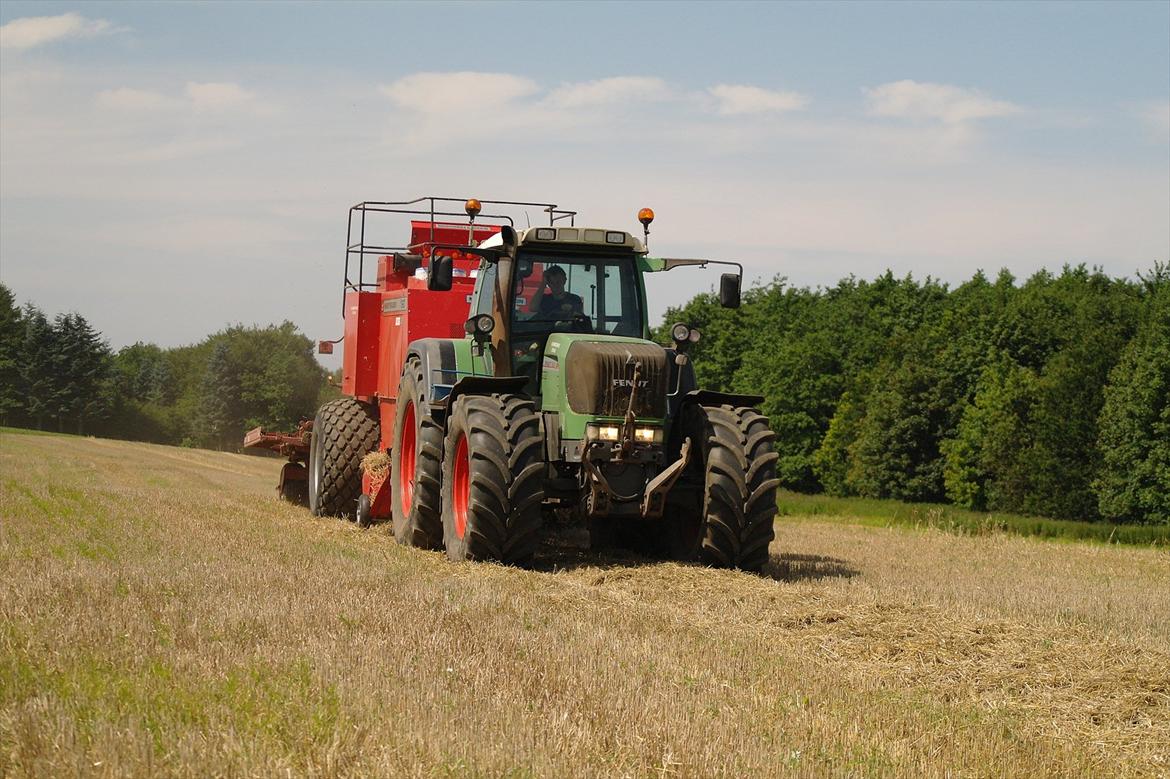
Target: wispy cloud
(130, 99)
(196, 96)
(217, 95)
(34, 31)
(942, 102)
(735, 99)
(608, 91)
(443, 93)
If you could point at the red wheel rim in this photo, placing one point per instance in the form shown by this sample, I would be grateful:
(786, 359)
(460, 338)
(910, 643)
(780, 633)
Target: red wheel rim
(461, 488)
(406, 467)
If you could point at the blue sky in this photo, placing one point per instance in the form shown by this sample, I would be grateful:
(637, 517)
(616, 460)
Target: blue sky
(166, 169)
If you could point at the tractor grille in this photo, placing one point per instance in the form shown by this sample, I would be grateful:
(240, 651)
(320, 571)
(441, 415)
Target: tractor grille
(599, 376)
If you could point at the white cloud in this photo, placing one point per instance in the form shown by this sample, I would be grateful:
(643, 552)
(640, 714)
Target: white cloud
(442, 93)
(130, 99)
(214, 95)
(607, 91)
(736, 99)
(944, 102)
(37, 30)
(209, 96)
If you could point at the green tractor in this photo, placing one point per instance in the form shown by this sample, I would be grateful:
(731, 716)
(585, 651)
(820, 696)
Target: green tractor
(497, 378)
(556, 400)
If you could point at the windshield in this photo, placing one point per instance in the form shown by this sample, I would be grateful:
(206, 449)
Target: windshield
(559, 293)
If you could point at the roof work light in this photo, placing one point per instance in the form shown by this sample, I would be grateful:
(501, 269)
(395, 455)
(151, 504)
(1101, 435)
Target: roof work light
(646, 216)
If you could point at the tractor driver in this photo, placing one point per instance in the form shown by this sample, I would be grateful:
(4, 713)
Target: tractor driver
(556, 303)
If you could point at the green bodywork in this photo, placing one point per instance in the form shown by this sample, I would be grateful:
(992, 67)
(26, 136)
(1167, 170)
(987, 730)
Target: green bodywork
(553, 391)
(554, 394)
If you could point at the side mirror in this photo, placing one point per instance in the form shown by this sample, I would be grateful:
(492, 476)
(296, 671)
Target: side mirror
(439, 272)
(729, 290)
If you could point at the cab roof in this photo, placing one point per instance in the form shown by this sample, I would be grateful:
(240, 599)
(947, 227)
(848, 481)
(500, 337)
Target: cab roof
(572, 237)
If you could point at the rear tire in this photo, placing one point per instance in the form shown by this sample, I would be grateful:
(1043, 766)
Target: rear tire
(733, 525)
(416, 464)
(493, 479)
(344, 431)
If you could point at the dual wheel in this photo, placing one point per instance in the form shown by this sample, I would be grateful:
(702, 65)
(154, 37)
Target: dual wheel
(721, 512)
(475, 490)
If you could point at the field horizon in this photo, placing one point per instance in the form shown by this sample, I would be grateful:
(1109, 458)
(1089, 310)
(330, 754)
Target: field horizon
(161, 612)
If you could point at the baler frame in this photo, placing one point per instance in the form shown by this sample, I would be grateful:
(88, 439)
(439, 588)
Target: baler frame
(360, 248)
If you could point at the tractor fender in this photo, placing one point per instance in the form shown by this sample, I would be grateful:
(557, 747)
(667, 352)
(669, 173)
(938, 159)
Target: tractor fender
(485, 385)
(713, 398)
(701, 397)
(439, 367)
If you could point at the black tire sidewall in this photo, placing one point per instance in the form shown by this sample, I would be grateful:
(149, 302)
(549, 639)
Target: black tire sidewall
(458, 426)
(421, 525)
(504, 503)
(315, 467)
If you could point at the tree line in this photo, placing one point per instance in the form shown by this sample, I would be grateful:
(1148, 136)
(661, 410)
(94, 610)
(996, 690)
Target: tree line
(61, 375)
(1048, 397)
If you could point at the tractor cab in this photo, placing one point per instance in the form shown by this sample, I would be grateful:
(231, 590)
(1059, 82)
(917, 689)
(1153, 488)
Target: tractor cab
(567, 286)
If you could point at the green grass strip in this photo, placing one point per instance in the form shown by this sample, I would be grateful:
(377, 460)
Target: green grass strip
(889, 513)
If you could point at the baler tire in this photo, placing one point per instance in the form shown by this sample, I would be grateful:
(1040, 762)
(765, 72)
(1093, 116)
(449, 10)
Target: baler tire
(738, 468)
(420, 523)
(493, 479)
(344, 431)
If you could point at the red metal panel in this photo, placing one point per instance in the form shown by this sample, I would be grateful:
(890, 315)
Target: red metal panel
(376, 487)
(387, 413)
(360, 363)
(449, 232)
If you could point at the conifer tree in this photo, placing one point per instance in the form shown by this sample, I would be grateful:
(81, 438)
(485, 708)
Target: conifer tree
(11, 337)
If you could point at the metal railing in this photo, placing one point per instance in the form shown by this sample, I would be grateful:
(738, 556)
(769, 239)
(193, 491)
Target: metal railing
(431, 207)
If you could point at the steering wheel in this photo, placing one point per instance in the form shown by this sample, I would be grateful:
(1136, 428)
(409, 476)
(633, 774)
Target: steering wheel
(580, 324)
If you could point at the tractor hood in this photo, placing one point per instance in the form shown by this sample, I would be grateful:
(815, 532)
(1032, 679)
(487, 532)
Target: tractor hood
(585, 377)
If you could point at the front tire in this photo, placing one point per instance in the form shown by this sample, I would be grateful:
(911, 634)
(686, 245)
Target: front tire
(733, 525)
(493, 479)
(344, 431)
(416, 464)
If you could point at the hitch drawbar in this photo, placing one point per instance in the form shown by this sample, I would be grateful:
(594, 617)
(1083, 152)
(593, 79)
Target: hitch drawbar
(653, 498)
(294, 476)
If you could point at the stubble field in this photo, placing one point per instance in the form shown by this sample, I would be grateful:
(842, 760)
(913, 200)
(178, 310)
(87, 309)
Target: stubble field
(162, 613)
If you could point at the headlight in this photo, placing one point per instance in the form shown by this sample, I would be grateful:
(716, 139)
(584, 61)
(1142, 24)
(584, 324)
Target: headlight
(642, 435)
(648, 435)
(602, 432)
